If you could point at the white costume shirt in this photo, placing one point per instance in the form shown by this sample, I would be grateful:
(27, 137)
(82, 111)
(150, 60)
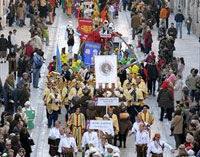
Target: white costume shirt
(135, 127)
(157, 147)
(54, 133)
(90, 138)
(13, 39)
(67, 142)
(142, 137)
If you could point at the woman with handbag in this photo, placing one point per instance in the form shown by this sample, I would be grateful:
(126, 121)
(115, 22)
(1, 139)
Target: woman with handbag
(26, 141)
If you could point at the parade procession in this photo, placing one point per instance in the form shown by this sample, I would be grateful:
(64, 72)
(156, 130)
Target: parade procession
(98, 78)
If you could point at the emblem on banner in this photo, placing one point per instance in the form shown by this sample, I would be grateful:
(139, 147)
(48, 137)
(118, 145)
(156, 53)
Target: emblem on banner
(106, 68)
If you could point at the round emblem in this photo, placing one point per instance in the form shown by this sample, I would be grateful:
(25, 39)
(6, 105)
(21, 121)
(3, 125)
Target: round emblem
(106, 68)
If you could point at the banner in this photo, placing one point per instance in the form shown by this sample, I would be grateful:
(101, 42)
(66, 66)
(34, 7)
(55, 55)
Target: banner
(85, 27)
(108, 101)
(91, 50)
(101, 125)
(106, 69)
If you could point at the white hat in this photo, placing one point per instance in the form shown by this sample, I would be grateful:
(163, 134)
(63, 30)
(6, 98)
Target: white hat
(27, 103)
(190, 152)
(108, 93)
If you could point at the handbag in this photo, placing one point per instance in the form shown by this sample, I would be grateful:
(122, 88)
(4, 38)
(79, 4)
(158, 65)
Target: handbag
(31, 142)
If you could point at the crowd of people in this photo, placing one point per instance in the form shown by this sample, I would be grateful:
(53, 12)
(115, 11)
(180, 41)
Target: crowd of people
(74, 88)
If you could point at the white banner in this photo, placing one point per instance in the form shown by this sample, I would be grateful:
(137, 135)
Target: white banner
(106, 69)
(101, 125)
(108, 101)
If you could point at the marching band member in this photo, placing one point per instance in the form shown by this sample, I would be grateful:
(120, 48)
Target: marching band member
(114, 119)
(67, 146)
(141, 141)
(53, 106)
(89, 138)
(129, 80)
(54, 139)
(157, 146)
(146, 115)
(138, 121)
(77, 123)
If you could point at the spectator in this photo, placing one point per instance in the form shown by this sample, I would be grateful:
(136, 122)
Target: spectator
(165, 100)
(25, 141)
(188, 23)
(11, 58)
(37, 64)
(172, 31)
(21, 14)
(135, 24)
(3, 48)
(179, 18)
(178, 89)
(177, 127)
(21, 68)
(148, 41)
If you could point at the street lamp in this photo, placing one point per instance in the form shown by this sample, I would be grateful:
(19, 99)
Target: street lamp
(197, 11)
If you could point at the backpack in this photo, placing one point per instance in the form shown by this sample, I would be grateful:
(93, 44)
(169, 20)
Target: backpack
(31, 10)
(38, 63)
(149, 40)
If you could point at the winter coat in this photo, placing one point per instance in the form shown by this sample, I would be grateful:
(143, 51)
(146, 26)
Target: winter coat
(124, 123)
(3, 44)
(191, 82)
(152, 71)
(21, 13)
(24, 139)
(12, 62)
(179, 17)
(12, 11)
(172, 32)
(22, 65)
(163, 13)
(178, 90)
(177, 124)
(24, 96)
(146, 39)
(165, 99)
(135, 21)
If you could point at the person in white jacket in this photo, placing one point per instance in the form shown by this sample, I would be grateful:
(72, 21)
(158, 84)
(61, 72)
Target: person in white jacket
(178, 89)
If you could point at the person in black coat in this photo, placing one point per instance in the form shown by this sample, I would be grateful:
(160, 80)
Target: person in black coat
(3, 48)
(122, 75)
(22, 64)
(152, 76)
(172, 31)
(25, 141)
(66, 73)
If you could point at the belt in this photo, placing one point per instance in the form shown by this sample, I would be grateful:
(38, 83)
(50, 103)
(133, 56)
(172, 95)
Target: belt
(156, 153)
(141, 145)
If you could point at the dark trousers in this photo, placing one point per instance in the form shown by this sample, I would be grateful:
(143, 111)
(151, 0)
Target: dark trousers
(122, 137)
(157, 22)
(188, 28)
(52, 118)
(124, 6)
(11, 21)
(152, 85)
(192, 94)
(67, 155)
(168, 111)
(178, 140)
(134, 32)
(141, 151)
(167, 23)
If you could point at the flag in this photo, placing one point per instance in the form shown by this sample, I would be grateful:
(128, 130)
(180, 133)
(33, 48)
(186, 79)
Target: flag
(91, 50)
(59, 63)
